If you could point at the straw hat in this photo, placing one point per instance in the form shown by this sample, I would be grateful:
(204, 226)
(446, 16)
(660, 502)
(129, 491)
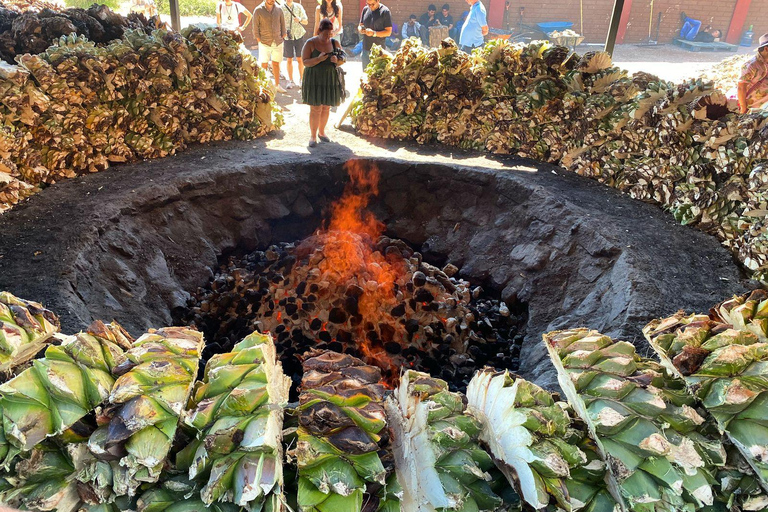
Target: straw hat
(763, 42)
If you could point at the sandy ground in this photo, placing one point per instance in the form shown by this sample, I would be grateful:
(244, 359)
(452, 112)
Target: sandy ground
(668, 61)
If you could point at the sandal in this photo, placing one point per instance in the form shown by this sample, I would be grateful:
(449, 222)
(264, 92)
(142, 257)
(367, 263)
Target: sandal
(324, 138)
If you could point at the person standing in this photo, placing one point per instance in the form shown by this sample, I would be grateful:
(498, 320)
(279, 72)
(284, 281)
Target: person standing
(228, 15)
(375, 26)
(320, 88)
(269, 31)
(334, 11)
(753, 83)
(295, 19)
(474, 27)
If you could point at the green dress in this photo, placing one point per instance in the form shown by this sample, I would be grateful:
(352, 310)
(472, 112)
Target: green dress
(320, 85)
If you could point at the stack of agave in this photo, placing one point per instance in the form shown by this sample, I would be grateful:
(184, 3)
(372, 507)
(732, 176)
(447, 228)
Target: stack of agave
(680, 146)
(33, 28)
(78, 107)
(103, 422)
(30, 5)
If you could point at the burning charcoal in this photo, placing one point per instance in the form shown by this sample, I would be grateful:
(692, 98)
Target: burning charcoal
(351, 305)
(354, 290)
(423, 295)
(392, 347)
(392, 308)
(337, 316)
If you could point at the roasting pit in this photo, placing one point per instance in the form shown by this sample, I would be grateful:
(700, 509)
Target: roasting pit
(140, 244)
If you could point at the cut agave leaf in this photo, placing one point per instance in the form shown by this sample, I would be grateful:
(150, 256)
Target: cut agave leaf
(439, 463)
(237, 412)
(341, 414)
(661, 451)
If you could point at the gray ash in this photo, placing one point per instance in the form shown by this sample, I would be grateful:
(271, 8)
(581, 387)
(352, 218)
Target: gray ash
(427, 319)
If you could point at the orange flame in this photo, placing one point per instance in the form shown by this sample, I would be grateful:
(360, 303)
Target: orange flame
(349, 252)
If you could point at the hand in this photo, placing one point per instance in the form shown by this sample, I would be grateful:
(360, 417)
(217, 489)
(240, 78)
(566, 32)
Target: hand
(370, 32)
(743, 109)
(334, 59)
(324, 55)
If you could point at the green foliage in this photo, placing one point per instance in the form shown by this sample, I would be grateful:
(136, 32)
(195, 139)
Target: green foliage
(84, 4)
(190, 7)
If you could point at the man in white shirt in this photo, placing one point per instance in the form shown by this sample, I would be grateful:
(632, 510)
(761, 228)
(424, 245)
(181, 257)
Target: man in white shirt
(228, 15)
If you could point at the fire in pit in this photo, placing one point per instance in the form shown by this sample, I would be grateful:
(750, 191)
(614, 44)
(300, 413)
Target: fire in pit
(351, 289)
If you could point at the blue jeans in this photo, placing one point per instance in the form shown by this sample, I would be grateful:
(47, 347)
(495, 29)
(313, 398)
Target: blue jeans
(690, 29)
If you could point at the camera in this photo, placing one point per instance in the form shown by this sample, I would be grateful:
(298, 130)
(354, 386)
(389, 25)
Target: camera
(338, 53)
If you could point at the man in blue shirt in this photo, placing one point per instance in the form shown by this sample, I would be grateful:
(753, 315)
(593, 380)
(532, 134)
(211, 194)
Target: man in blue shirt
(474, 28)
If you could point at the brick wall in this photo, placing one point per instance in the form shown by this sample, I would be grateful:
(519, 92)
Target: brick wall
(596, 14)
(716, 13)
(758, 16)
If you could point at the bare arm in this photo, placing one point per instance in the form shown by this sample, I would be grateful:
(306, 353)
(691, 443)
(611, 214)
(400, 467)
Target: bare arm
(218, 14)
(484, 30)
(248, 18)
(306, 55)
(742, 94)
(341, 22)
(304, 20)
(317, 20)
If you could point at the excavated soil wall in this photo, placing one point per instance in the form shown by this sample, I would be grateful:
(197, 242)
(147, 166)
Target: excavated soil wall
(130, 244)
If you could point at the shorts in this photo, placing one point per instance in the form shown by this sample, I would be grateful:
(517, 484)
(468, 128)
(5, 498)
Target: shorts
(272, 53)
(292, 48)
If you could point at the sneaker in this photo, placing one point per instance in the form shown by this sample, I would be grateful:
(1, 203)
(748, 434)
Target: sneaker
(323, 138)
(280, 89)
(289, 85)
(312, 143)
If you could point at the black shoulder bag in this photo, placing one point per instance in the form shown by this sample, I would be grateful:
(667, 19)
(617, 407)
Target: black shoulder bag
(340, 73)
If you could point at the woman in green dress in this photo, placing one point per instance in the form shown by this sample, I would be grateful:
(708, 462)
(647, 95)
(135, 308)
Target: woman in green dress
(320, 88)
